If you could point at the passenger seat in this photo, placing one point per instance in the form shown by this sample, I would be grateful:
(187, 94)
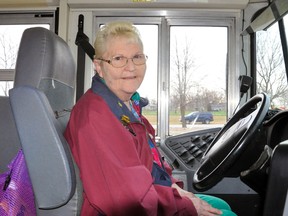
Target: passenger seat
(41, 99)
(9, 140)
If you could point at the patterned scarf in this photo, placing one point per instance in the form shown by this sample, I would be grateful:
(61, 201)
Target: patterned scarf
(137, 111)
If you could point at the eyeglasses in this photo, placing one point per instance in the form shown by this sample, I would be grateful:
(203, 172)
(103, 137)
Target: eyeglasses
(121, 61)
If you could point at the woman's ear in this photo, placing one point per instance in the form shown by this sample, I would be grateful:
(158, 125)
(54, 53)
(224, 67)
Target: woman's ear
(97, 67)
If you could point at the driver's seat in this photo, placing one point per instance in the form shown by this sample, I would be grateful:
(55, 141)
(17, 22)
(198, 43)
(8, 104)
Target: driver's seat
(276, 202)
(42, 96)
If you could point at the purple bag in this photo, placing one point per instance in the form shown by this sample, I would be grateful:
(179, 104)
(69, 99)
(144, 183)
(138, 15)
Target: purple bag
(16, 194)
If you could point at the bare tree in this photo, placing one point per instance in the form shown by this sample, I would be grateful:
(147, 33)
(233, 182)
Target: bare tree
(184, 64)
(8, 52)
(271, 76)
(8, 55)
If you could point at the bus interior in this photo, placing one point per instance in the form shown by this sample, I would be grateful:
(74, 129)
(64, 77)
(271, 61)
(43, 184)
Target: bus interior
(226, 59)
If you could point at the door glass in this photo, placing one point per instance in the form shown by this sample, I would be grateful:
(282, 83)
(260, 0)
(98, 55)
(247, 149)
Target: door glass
(148, 89)
(271, 75)
(198, 78)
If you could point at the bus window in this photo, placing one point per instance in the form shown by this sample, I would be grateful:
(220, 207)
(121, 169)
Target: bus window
(198, 57)
(270, 67)
(148, 89)
(10, 36)
(12, 26)
(207, 47)
(149, 32)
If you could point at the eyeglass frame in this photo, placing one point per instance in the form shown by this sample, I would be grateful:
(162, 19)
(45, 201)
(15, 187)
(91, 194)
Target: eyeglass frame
(109, 61)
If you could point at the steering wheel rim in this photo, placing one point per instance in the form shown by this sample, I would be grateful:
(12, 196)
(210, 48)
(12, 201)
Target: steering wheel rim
(230, 142)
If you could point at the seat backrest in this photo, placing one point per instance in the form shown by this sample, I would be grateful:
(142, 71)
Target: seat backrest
(9, 141)
(285, 211)
(42, 96)
(277, 186)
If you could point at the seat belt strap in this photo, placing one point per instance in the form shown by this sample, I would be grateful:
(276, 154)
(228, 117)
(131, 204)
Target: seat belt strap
(84, 47)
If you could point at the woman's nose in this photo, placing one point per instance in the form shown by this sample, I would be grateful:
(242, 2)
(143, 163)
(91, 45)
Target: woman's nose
(130, 65)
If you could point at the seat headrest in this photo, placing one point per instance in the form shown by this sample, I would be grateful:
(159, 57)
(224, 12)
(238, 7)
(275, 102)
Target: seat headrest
(45, 62)
(47, 57)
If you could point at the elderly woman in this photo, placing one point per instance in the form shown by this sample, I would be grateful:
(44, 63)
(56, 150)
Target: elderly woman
(113, 144)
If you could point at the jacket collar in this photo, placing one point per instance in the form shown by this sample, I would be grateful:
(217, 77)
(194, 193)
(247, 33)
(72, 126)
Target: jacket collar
(116, 105)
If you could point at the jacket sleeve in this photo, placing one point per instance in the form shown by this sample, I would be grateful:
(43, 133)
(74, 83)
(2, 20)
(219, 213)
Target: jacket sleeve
(115, 181)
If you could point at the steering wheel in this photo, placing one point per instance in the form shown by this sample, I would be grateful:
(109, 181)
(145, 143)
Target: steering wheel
(230, 142)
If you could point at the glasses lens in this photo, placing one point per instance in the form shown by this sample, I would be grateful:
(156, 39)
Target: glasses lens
(139, 59)
(119, 61)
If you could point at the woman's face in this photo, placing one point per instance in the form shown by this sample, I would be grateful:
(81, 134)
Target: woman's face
(123, 81)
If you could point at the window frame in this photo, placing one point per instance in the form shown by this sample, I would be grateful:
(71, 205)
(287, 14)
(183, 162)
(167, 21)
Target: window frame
(283, 40)
(227, 18)
(25, 18)
(229, 23)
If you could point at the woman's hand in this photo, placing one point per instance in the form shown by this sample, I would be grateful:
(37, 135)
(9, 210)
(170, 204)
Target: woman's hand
(202, 207)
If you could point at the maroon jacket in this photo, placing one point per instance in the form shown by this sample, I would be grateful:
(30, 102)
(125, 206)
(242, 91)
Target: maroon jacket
(115, 165)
